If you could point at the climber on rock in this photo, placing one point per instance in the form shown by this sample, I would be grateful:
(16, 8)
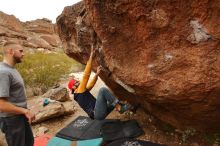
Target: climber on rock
(96, 108)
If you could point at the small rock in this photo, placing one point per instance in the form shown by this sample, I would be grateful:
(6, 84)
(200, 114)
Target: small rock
(41, 131)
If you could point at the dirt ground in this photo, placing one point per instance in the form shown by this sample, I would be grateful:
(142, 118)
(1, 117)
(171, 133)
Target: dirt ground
(155, 131)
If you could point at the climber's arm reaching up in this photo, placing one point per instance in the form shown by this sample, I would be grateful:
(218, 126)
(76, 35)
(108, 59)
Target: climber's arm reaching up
(93, 81)
(86, 73)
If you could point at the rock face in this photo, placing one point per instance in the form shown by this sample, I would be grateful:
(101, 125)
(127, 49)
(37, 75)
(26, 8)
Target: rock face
(11, 22)
(41, 26)
(40, 33)
(162, 54)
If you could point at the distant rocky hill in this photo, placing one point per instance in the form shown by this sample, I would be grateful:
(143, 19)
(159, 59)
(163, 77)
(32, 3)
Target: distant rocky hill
(40, 33)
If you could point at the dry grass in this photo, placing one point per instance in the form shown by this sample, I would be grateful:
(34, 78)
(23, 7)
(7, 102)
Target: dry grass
(44, 70)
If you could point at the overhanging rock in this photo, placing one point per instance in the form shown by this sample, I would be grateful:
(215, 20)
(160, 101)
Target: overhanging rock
(162, 54)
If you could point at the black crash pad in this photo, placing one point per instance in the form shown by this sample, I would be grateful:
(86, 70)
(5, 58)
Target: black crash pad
(132, 142)
(82, 128)
(114, 130)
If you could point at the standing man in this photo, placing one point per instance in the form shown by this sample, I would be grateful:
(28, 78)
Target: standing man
(15, 118)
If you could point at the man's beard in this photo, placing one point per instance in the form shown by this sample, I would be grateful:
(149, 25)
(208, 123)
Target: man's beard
(17, 59)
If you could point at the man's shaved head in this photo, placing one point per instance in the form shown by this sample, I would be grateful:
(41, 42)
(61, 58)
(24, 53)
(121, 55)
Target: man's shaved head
(12, 52)
(10, 45)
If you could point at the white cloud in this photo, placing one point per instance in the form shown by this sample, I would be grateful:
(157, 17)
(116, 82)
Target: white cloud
(26, 10)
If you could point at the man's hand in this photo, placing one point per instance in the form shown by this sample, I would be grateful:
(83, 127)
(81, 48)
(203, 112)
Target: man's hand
(99, 68)
(8, 107)
(29, 115)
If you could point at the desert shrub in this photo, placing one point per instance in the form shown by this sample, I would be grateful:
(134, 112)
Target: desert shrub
(44, 70)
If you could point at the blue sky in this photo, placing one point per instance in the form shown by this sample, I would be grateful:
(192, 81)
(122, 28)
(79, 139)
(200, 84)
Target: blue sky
(26, 10)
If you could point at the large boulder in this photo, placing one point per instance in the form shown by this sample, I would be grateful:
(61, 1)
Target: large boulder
(162, 54)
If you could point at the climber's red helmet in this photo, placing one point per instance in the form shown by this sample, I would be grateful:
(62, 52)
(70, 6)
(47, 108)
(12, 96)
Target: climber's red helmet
(73, 82)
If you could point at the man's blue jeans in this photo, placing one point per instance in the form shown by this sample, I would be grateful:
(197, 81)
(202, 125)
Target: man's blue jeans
(105, 103)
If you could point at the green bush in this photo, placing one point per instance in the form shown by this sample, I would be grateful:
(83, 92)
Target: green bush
(44, 70)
